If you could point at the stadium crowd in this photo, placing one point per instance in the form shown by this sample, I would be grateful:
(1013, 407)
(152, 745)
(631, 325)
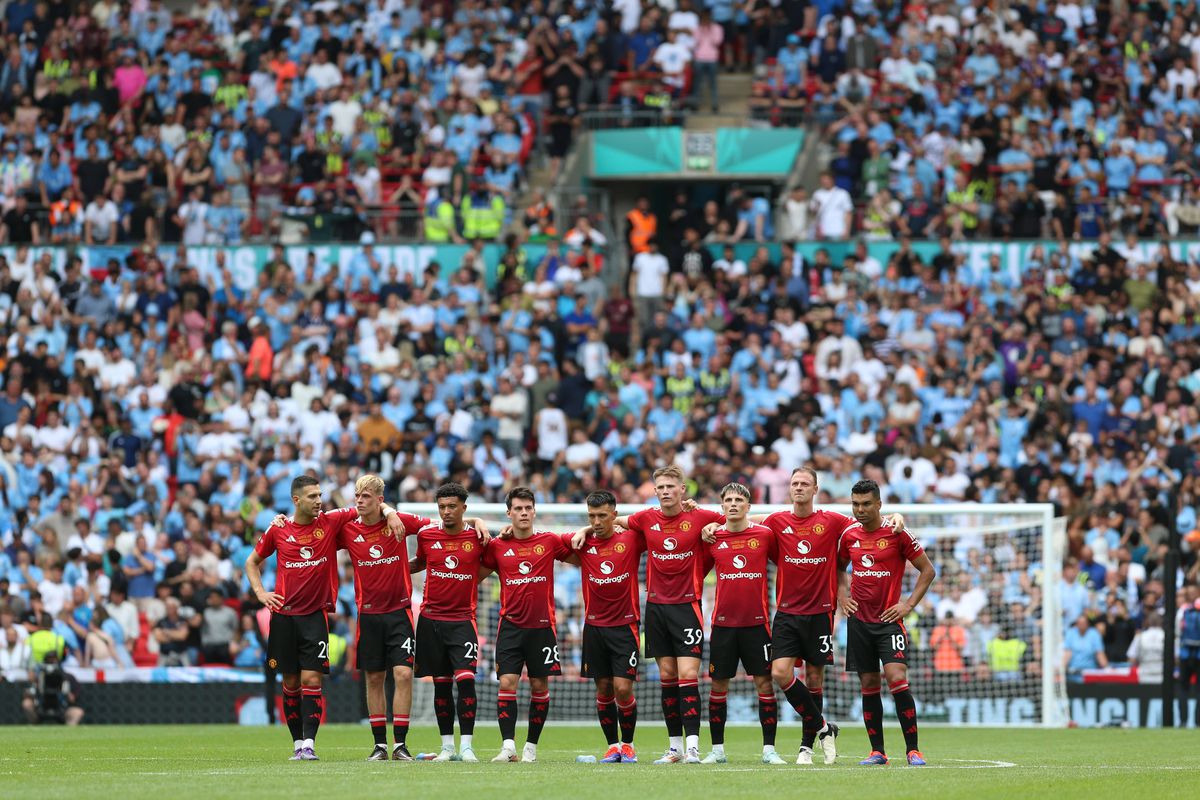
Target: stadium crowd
(152, 421)
(1008, 120)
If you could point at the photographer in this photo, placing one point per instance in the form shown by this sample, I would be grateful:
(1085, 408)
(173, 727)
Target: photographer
(52, 696)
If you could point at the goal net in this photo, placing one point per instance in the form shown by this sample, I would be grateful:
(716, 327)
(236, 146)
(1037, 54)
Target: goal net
(985, 646)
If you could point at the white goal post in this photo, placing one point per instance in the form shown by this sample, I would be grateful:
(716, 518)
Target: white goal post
(999, 569)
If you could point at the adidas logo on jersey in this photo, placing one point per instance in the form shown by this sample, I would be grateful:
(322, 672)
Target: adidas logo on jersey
(510, 552)
(655, 527)
(291, 539)
(359, 539)
(788, 529)
(723, 546)
(856, 544)
(436, 546)
(591, 551)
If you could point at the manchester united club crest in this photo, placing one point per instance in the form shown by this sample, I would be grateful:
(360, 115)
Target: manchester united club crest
(883, 543)
(539, 550)
(468, 547)
(685, 526)
(753, 544)
(619, 547)
(272, 663)
(319, 533)
(818, 529)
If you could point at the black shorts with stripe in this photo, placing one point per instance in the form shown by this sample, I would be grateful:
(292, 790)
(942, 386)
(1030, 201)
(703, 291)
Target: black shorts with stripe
(806, 637)
(610, 651)
(749, 645)
(385, 641)
(674, 630)
(533, 649)
(870, 643)
(445, 647)
(298, 642)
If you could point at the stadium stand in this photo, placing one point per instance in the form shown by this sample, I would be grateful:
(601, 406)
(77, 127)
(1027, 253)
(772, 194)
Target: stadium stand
(153, 417)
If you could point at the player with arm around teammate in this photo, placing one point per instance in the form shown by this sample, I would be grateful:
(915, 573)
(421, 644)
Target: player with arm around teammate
(741, 630)
(608, 560)
(526, 638)
(447, 637)
(877, 556)
(385, 639)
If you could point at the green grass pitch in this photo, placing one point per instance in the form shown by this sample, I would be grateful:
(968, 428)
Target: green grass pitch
(174, 761)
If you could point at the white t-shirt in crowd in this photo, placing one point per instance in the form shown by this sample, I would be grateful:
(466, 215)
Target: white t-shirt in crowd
(650, 269)
(832, 205)
(103, 215)
(672, 58)
(551, 433)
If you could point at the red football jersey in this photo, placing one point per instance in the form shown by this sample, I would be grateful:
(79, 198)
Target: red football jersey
(610, 578)
(674, 568)
(806, 582)
(306, 572)
(525, 568)
(740, 560)
(877, 561)
(451, 572)
(381, 580)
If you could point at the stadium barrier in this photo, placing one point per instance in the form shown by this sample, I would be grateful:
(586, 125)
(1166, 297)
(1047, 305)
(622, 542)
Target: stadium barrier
(1124, 705)
(244, 702)
(246, 261)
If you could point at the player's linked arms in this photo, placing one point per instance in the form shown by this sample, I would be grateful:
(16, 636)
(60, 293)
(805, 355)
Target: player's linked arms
(578, 538)
(709, 534)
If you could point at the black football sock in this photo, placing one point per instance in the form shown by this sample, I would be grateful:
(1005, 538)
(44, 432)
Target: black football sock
(466, 705)
(801, 700)
(443, 705)
(818, 696)
(628, 718)
(768, 717)
(670, 707)
(716, 717)
(378, 728)
(292, 712)
(689, 706)
(399, 728)
(606, 713)
(312, 708)
(906, 712)
(872, 711)
(539, 709)
(506, 714)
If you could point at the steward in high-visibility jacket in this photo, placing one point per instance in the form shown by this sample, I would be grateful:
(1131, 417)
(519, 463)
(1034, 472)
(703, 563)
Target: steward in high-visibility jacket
(439, 221)
(642, 226)
(482, 214)
(682, 389)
